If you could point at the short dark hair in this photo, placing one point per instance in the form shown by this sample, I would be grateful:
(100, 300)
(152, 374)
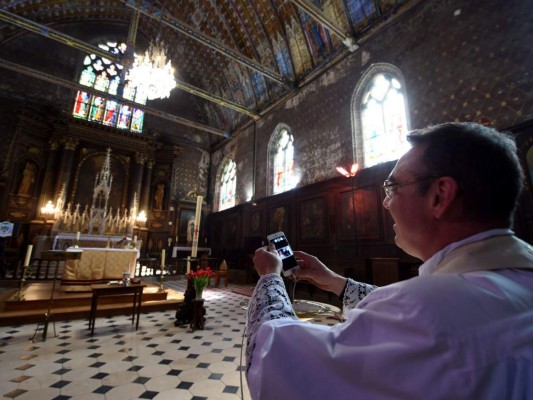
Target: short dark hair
(482, 160)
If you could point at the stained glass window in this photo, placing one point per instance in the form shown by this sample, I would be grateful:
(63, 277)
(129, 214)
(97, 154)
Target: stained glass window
(228, 184)
(104, 75)
(283, 162)
(383, 120)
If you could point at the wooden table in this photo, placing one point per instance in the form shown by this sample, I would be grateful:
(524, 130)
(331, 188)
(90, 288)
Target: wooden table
(102, 290)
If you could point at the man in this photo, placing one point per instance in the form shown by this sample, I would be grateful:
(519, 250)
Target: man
(463, 329)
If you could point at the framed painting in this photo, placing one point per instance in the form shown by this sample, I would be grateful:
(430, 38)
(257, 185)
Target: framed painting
(231, 231)
(313, 219)
(186, 226)
(256, 222)
(361, 221)
(279, 220)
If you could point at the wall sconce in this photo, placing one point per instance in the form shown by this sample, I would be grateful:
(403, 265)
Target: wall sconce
(353, 170)
(141, 218)
(48, 210)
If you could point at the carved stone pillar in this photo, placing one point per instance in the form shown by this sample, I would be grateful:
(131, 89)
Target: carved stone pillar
(147, 181)
(47, 190)
(65, 170)
(136, 177)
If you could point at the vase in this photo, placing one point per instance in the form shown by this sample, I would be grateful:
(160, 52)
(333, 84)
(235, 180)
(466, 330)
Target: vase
(199, 292)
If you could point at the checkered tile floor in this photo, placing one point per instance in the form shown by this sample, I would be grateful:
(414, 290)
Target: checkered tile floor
(159, 361)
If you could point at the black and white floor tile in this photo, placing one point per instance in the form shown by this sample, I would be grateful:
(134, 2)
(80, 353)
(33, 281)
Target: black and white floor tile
(158, 361)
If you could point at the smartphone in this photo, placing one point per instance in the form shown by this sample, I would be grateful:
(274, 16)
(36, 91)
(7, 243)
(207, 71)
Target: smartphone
(280, 242)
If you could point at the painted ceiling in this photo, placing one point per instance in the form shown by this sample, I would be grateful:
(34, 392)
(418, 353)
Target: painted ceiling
(236, 59)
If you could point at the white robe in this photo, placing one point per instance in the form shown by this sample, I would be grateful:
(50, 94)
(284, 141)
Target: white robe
(462, 331)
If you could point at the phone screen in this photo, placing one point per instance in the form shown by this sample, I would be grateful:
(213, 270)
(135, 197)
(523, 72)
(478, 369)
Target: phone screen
(285, 252)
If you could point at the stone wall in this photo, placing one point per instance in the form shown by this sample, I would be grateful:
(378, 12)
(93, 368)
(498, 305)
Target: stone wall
(461, 61)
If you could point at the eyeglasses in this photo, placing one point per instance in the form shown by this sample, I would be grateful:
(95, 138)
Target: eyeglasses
(389, 186)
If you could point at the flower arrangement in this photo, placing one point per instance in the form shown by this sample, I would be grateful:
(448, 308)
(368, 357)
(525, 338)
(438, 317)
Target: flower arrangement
(200, 279)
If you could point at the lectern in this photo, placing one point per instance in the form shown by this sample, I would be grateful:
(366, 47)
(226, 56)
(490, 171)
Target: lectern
(58, 256)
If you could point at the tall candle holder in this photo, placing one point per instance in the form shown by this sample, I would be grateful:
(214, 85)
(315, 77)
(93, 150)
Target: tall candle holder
(163, 262)
(161, 277)
(77, 240)
(20, 296)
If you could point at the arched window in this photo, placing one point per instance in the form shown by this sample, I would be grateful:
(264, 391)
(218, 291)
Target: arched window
(281, 150)
(228, 184)
(380, 116)
(104, 75)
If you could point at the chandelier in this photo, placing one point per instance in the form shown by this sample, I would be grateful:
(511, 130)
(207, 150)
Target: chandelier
(151, 74)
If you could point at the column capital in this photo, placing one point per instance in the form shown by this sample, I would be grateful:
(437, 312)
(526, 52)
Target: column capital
(70, 143)
(140, 158)
(53, 144)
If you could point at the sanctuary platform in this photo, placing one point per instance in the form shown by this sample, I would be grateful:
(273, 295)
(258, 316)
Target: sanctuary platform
(76, 305)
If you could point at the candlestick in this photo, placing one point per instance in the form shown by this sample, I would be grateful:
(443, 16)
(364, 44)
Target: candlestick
(28, 256)
(197, 217)
(20, 295)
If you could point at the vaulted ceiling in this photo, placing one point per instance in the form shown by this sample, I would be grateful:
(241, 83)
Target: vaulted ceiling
(236, 59)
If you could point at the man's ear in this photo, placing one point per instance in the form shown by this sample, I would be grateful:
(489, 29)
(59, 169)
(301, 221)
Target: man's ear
(445, 191)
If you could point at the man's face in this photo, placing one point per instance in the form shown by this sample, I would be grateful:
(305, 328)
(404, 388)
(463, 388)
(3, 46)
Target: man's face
(410, 211)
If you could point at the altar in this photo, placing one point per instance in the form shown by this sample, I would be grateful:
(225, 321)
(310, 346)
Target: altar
(63, 241)
(99, 265)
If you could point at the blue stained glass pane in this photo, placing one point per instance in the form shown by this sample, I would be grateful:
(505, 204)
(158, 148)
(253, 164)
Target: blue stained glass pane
(137, 120)
(97, 109)
(88, 77)
(124, 117)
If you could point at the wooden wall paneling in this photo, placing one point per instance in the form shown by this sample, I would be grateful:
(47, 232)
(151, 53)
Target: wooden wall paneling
(313, 220)
(279, 219)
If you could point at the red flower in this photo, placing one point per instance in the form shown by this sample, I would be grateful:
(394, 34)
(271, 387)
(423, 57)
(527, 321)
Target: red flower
(200, 277)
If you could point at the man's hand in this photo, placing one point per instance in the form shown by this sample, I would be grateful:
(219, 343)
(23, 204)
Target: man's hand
(313, 270)
(267, 260)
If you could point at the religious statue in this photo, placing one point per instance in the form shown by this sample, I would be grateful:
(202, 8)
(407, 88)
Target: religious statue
(158, 196)
(190, 230)
(28, 179)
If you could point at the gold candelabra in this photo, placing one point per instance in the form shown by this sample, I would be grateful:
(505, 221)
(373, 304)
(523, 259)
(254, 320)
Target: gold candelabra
(161, 277)
(20, 295)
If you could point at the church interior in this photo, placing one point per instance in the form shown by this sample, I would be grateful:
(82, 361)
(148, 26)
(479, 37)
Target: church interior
(156, 136)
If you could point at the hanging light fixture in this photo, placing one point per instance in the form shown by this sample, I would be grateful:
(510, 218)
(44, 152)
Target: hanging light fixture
(151, 73)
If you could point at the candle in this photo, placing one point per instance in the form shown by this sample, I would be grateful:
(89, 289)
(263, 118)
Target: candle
(28, 256)
(135, 239)
(77, 236)
(162, 258)
(197, 216)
